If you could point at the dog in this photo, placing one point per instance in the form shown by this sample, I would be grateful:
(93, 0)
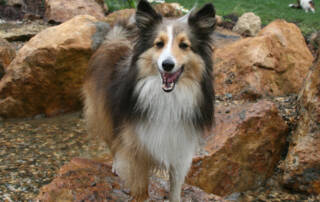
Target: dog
(149, 94)
(306, 5)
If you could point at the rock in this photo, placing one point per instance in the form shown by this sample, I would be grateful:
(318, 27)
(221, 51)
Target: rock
(302, 165)
(34, 8)
(169, 9)
(248, 25)
(17, 31)
(8, 12)
(103, 5)
(222, 37)
(219, 20)
(7, 53)
(314, 43)
(62, 10)
(47, 73)
(229, 21)
(274, 63)
(243, 151)
(93, 180)
(18, 3)
(123, 15)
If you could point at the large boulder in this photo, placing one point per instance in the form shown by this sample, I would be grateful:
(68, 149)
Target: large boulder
(274, 63)
(63, 10)
(93, 180)
(248, 25)
(7, 53)
(243, 151)
(47, 73)
(302, 165)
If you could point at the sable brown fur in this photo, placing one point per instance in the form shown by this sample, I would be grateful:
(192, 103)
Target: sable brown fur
(113, 103)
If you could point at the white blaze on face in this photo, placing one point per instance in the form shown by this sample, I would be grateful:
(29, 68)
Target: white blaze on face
(167, 51)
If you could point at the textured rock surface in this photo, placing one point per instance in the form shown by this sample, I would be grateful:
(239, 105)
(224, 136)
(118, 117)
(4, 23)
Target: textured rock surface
(7, 53)
(302, 165)
(248, 25)
(22, 32)
(169, 9)
(63, 10)
(124, 14)
(274, 63)
(89, 180)
(47, 73)
(243, 151)
(15, 3)
(222, 37)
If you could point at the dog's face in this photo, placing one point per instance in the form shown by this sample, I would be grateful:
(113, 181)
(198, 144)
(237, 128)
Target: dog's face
(172, 45)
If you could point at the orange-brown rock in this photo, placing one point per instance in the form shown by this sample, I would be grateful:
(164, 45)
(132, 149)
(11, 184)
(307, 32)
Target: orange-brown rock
(169, 9)
(47, 73)
(302, 165)
(92, 180)
(273, 63)
(63, 10)
(123, 15)
(7, 53)
(243, 150)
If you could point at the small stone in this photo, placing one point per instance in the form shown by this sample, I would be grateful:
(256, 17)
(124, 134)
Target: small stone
(248, 25)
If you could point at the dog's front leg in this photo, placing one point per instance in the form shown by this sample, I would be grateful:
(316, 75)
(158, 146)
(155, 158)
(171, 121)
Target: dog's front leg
(177, 175)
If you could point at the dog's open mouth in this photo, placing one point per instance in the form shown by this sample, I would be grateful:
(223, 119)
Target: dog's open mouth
(169, 80)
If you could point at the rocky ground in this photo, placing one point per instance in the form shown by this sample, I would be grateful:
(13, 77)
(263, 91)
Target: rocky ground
(32, 151)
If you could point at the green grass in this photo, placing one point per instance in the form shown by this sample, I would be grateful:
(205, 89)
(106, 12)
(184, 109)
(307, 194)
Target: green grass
(268, 10)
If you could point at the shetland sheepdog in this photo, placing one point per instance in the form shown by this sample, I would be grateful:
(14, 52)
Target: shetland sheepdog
(149, 94)
(306, 5)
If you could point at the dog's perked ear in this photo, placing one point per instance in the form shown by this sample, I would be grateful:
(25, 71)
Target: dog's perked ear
(203, 21)
(146, 16)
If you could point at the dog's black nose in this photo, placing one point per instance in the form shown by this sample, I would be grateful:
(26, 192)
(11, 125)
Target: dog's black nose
(168, 65)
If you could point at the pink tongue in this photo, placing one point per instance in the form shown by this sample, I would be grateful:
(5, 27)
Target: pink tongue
(169, 78)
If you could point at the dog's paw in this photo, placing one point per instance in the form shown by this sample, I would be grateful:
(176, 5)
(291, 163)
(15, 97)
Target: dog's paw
(114, 169)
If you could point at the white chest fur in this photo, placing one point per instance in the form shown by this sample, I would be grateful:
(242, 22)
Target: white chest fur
(168, 134)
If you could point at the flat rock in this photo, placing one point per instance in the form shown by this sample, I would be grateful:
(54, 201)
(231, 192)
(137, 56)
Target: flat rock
(47, 73)
(302, 165)
(274, 63)
(93, 180)
(243, 149)
(19, 31)
(63, 10)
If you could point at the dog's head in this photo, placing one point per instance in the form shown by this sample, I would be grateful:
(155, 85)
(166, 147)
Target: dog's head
(178, 50)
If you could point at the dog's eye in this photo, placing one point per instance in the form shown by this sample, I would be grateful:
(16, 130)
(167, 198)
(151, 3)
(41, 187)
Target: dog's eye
(160, 44)
(183, 45)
